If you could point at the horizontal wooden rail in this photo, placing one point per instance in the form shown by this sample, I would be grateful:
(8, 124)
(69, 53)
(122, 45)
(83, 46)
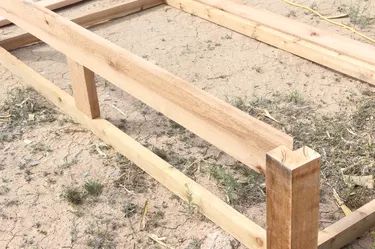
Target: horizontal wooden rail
(348, 228)
(245, 138)
(49, 4)
(344, 55)
(86, 20)
(246, 231)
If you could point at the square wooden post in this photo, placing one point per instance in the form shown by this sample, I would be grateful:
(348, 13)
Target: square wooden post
(293, 194)
(84, 89)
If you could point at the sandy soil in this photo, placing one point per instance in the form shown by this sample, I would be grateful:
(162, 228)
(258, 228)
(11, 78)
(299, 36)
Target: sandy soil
(45, 157)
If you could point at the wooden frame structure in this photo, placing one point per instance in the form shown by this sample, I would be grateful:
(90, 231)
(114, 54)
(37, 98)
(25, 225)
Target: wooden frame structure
(292, 177)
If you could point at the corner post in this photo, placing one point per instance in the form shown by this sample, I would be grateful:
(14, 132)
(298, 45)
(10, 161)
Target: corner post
(293, 194)
(84, 89)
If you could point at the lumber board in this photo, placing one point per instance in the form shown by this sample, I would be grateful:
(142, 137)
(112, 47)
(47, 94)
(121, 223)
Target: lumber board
(348, 228)
(87, 20)
(293, 194)
(245, 138)
(350, 57)
(84, 89)
(236, 224)
(49, 4)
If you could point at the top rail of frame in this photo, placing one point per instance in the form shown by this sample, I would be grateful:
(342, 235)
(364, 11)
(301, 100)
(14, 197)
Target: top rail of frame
(245, 138)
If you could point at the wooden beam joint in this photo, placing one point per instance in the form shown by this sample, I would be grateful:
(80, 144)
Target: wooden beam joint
(84, 89)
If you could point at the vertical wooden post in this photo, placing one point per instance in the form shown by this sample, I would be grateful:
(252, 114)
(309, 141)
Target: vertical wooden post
(293, 195)
(84, 89)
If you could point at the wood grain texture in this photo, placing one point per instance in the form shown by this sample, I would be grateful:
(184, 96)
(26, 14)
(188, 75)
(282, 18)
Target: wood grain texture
(349, 228)
(86, 20)
(236, 224)
(231, 130)
(84, 89)
(49, 4)
(339, 53)
(293, 193)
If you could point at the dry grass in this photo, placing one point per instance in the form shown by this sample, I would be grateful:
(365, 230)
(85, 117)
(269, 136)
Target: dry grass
(22, 109)
(25, 107)
(345, 140)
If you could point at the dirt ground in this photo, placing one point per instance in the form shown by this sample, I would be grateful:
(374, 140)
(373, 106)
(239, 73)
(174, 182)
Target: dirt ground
(61, 187)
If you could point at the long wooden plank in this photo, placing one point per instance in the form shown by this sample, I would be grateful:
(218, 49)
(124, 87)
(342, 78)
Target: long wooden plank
(49, 4)
(231, 130)
(349, 228)
(344, 55)
(293, 194)
(87, 20)
(246, 231)
(84, 89)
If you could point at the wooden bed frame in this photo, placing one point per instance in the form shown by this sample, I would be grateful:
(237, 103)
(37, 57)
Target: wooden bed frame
(292, 177)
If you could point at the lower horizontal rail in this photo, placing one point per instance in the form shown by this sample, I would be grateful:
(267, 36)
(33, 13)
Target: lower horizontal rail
(86, 20)
(348, 228)
(236, 224)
